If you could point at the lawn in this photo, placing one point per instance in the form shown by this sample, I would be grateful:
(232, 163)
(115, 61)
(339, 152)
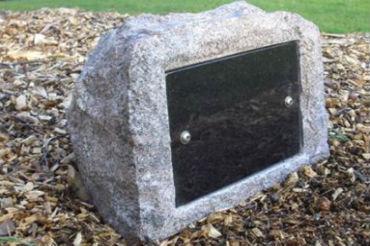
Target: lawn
(337, 16)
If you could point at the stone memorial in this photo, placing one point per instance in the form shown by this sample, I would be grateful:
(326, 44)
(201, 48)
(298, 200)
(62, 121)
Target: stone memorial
(178, 116)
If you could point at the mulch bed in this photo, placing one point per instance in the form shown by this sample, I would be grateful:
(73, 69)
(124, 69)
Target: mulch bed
(42, 201)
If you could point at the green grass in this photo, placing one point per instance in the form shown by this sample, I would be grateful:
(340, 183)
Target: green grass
(337, 16)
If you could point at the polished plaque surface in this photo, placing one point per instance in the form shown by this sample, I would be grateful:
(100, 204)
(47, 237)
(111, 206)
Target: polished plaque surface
(232, 117)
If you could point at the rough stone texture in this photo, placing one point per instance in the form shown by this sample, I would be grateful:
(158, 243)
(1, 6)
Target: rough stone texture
(119, 121)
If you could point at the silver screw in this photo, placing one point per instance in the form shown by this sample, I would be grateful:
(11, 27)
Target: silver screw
(185, 137)
(289, 101)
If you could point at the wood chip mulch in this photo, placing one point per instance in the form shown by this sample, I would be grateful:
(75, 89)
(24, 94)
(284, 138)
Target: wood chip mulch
(41, 196)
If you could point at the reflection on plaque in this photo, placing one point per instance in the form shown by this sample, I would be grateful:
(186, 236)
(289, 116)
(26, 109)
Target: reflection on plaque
(232, 117)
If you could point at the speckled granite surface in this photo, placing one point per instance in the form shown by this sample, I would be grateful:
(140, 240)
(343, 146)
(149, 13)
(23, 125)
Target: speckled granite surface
(119, 122)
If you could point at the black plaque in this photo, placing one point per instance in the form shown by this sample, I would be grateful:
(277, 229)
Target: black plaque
(242, 112)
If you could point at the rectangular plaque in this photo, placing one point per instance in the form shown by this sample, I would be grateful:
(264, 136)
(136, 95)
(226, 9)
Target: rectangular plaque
(232, 117)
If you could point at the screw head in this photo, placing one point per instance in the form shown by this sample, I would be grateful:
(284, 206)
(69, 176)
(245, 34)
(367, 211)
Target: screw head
(185, 137)
(289, 101)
